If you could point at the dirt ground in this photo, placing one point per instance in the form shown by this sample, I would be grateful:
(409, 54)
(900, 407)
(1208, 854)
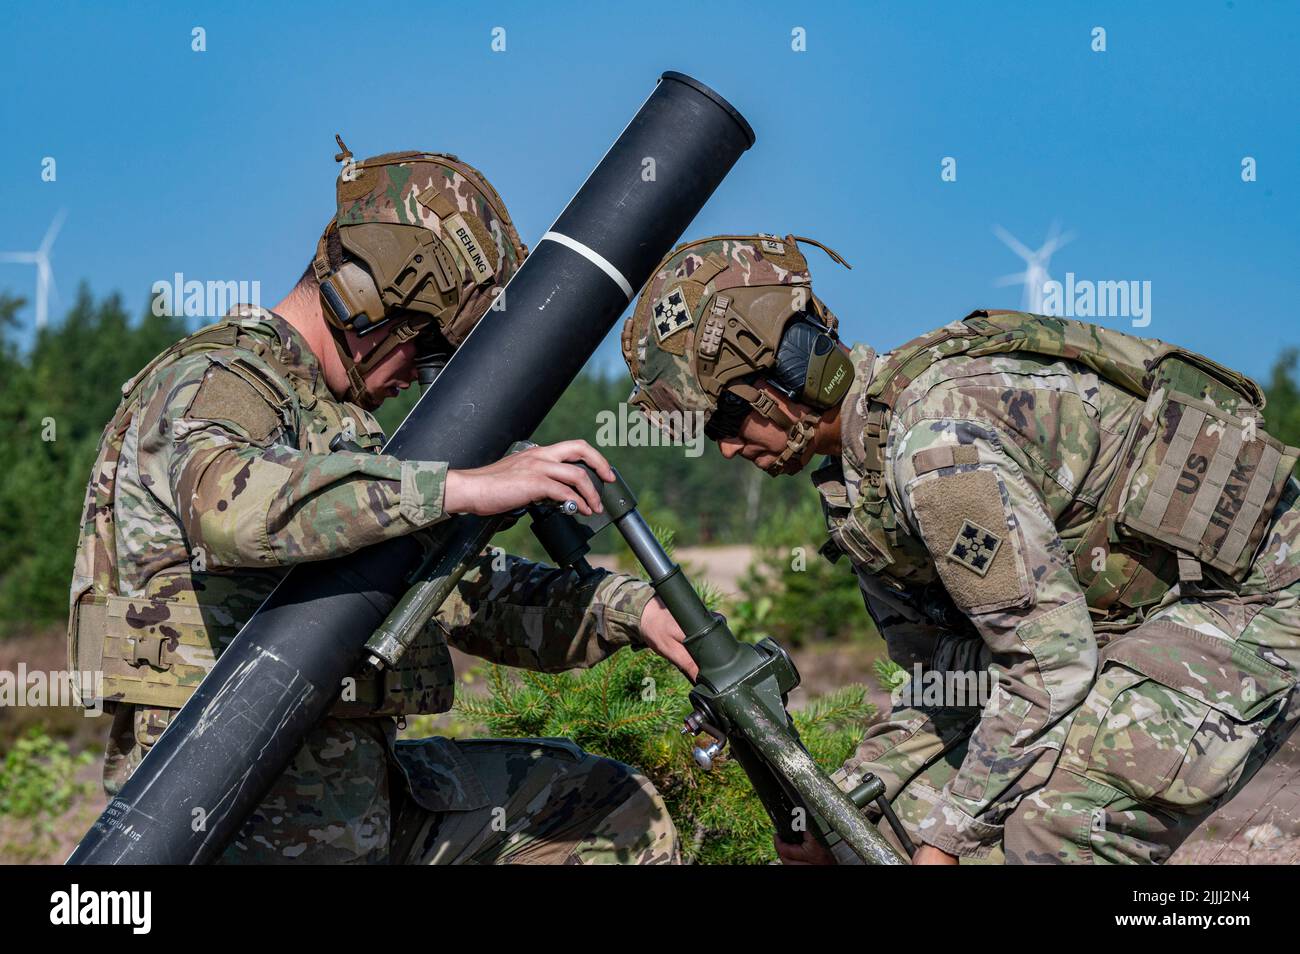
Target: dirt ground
(721, 566)
(1260, 825)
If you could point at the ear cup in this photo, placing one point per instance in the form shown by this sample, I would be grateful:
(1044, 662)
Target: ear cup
(797, 342)
(811, 366)
(829, 375)
(352, 298)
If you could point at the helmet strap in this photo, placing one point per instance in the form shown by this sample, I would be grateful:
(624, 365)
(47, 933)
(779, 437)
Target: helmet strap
(799, 433)
(401, 333)
(357, 391)
(356, 371)
(797, 440)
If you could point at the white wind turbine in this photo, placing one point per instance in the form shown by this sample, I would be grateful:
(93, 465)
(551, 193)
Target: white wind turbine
(41, 259)
(1035, 275)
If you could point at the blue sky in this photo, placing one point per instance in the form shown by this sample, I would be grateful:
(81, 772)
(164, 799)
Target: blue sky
(220, 165)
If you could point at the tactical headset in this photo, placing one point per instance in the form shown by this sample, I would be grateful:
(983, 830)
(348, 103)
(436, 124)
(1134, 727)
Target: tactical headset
(805, 363)
(810, 366)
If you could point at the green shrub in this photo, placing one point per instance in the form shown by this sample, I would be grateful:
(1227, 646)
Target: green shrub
(38, 784)
(791, 592)
(630, 708)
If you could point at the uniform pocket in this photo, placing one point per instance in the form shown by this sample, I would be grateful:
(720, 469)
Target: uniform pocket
(1005, 715)
(1133, 733)
(1174, 715)
(438, 776)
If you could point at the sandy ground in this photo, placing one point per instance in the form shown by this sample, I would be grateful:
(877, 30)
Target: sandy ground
(721, 566)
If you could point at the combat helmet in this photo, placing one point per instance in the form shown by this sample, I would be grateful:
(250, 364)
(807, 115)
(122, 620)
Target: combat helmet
(420, 247)
(720, 313)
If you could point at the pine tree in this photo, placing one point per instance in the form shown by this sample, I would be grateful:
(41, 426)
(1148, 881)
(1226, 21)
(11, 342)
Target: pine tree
(630, 708)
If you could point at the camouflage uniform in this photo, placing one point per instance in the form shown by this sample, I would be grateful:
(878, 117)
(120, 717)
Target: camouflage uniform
(215, 476)
(1088, 516)
(1113, 729)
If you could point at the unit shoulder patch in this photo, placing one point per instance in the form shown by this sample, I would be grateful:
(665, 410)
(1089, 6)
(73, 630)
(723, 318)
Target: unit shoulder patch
(963, 519)
(975, 547)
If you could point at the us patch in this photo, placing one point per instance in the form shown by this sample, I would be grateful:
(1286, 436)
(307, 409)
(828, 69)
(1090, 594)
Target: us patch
(975, 547)
(770, 244)
(671, 315)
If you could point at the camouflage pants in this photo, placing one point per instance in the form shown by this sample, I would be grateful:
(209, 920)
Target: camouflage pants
(353, 795)
(1185, 709)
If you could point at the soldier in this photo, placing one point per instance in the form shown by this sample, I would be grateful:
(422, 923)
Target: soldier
(1096, 521)
(249, 446)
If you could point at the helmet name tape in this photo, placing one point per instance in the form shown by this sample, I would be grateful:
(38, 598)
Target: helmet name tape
(465, 242)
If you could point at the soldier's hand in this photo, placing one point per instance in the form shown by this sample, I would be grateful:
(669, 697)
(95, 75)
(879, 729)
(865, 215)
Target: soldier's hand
(809, 852)
(538, 473)
(661, 633)
(930, 855)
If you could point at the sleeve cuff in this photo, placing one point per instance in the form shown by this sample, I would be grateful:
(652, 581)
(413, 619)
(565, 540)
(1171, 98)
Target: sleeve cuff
(423, 485)
(949, 828)
(623, 599)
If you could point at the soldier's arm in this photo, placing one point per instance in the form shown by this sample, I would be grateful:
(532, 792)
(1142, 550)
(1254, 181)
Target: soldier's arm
(518, 613)
(920, 728)
(984, 518)
(212, 442)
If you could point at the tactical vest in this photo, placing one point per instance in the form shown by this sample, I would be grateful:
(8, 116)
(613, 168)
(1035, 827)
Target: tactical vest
(155, 648)
(1194, 492)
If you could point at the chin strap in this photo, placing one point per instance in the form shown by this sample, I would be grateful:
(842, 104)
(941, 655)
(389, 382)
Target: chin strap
(356, 371)
(798, 433)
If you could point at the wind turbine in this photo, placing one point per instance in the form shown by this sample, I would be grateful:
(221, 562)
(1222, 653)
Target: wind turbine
(1035, 275)
(41, 259)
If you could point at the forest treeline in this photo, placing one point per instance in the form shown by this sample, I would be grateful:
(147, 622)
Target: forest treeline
(59, 388)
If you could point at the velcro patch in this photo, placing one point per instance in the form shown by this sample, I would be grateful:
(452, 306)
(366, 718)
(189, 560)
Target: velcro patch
(227, 397)
(360, 181)
(963, 521)
(671, 314)
(945, 455)
(783, 255)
